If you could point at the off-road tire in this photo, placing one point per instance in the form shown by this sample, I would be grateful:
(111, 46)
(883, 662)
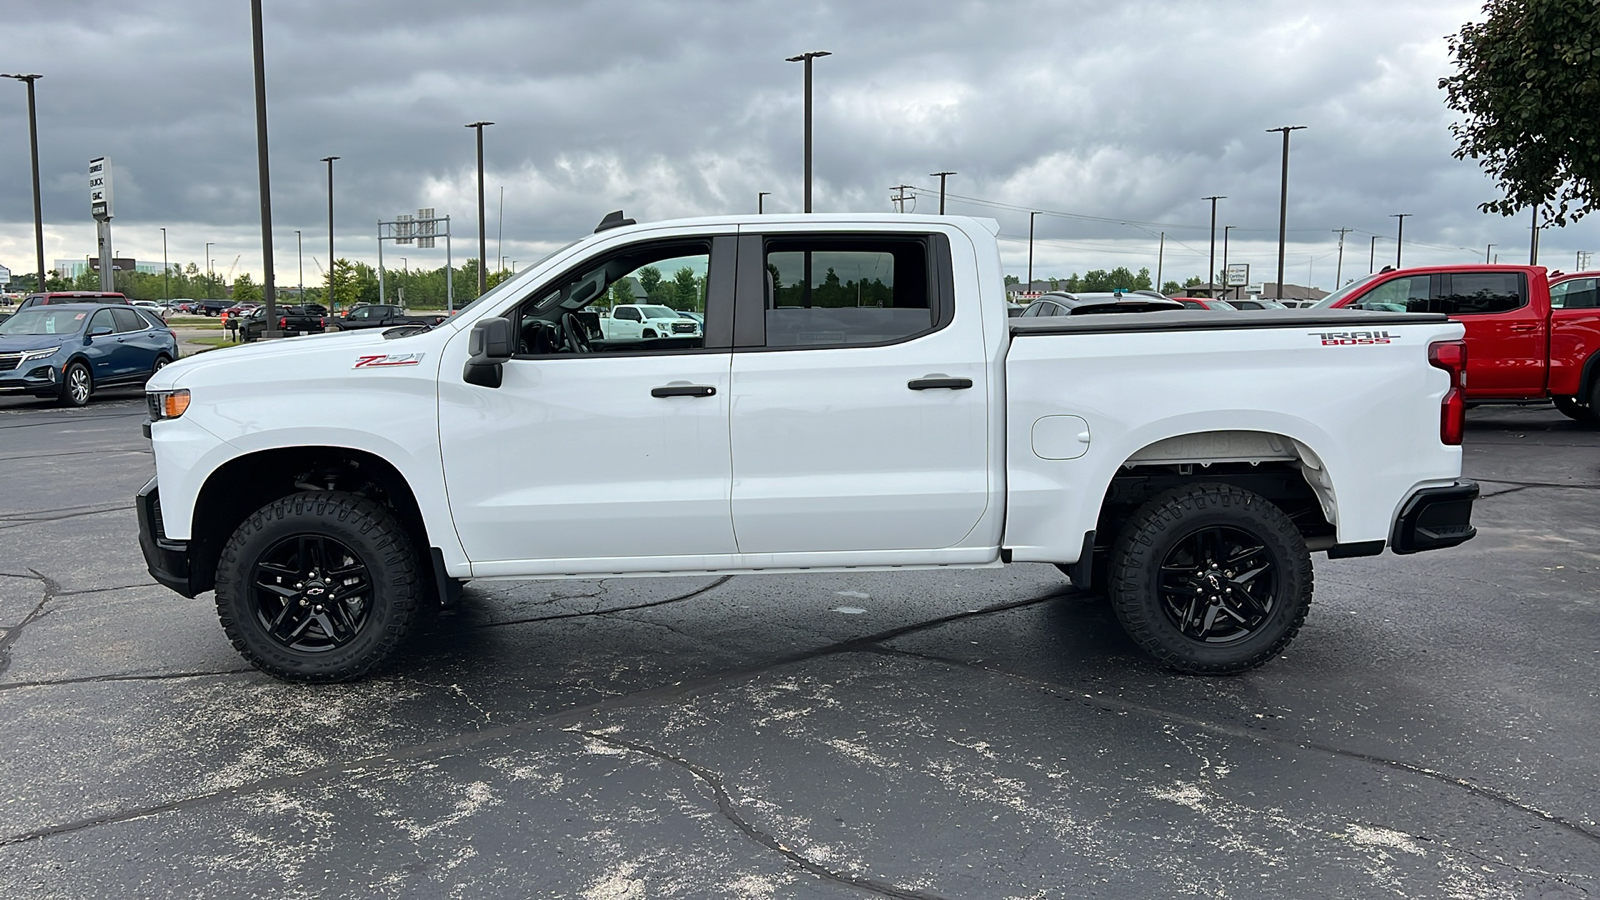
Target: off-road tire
(1152, 536)
(372, 535)
(1572, 409)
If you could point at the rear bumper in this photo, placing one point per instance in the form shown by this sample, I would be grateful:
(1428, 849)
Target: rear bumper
(167, 560)
(1434, 518)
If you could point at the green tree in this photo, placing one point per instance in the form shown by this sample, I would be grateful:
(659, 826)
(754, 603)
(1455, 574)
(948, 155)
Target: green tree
(245, 290)
(1012, 279)
(621, 291)
(1528, 82)
(1171, 287)
(686, 291)
(342, 286)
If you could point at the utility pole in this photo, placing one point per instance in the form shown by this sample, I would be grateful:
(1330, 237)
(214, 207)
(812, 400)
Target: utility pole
(900, 197)
(1283, 201)
(210, 277)
(33, 142)
(1399, 236)
(1211, 263)
(761, 197)
(807, 58)
(1030, 250)
(1338, 270)
(269, 283)
(1533, 244)
(1372, 255)
(1161, 256)
(483, 237)
(1225, 230)
(941, 176)
(166, 274)
(332, 265)
(1486, 253)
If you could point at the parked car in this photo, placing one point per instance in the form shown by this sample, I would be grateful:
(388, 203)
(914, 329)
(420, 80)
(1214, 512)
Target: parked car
(293, 321)
(1527, 339)
(68, 351)
(152, 307)
(1062, 303)
(905, 422)
(380, 316)
(1205, 303)
(209, 307)
(1256, 303)
(54, 297)
(644, 321)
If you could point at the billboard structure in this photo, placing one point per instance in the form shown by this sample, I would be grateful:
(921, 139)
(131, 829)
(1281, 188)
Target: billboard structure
(421, 229)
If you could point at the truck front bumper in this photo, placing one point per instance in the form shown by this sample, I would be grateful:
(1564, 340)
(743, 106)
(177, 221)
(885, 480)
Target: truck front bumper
(1434, 518)
(167, 560)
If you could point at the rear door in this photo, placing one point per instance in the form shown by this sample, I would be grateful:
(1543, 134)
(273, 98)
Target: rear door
(137, 344)
(859, 419)
(1506, 351)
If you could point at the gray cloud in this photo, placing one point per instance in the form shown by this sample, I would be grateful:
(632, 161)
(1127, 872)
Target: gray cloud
(1126, 113)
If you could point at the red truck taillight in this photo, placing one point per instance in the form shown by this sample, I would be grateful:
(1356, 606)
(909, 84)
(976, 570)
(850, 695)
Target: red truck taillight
(283, 323)
(1451, 356)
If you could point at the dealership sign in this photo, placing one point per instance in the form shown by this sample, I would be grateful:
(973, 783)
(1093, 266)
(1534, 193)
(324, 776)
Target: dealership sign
(100, 187)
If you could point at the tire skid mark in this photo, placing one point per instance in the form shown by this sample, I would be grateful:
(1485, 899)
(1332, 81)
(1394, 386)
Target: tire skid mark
(123, 677)
(143, 451)
(1101, 702)
(563, 719)
(13, 522)
(730, 811)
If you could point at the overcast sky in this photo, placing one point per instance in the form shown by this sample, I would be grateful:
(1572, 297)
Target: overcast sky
(1121, 115)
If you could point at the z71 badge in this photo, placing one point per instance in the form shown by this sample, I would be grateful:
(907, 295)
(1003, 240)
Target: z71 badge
(1354, 338)
(385, 360)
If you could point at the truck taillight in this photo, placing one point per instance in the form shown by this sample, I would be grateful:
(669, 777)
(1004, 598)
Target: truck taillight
(283, 323)
(1451, 356)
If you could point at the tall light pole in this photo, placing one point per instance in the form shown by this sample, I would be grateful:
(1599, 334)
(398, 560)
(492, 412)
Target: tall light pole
(1486, 253)
(761, 197)
(166, 274)
(1533, 243)
(1283, 201)
(33, 142)
(1399, 236)
(941, 176)
(1225, 230)
(483, 246)
(1030, 250)
(209, 275)
(807, 58)
(331, 264)
(1372, 255)
(1211, 264)
(269, 281)
(300, 251)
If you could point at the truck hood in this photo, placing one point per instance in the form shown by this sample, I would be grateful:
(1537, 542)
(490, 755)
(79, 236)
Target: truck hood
(288, 350)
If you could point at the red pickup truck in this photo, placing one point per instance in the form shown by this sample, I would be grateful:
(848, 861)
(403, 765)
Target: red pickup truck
(1530, 335)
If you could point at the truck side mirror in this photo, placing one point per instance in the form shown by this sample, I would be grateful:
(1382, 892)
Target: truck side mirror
(490, 344)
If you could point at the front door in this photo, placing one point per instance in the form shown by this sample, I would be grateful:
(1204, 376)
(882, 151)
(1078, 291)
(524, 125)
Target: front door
(860, 417)
(598, 450)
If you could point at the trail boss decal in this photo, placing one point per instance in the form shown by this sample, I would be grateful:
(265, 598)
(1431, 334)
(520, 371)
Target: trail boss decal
(385, 360)
(1354, 338)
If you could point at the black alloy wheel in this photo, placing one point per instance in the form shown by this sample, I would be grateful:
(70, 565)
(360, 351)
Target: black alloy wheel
(1210, 579)
(312, 593)
(1218, 584)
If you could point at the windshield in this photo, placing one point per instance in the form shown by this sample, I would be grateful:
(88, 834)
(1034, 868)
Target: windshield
(658, 312)
(1344, 292)
(505, 285)
(38, 321)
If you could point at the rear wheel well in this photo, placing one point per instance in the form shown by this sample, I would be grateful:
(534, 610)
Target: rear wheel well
(243, 485)
(1282, 483)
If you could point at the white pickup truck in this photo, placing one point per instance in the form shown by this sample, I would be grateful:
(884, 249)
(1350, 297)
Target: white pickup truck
(859, 400)
(646, 321)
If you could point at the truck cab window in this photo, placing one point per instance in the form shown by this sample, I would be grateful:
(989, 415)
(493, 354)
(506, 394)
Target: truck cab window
(1579, 293)
(1410, 294)
(827, 291)
(631, 301)
(1472, 293)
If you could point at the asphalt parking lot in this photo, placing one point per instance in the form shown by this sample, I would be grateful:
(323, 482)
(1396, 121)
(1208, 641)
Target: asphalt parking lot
(984, 734)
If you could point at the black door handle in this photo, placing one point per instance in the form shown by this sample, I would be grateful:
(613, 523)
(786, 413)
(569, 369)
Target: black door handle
(928, 384)
(683, 390)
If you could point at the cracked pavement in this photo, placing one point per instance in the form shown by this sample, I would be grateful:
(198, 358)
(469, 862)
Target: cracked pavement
(985, 734)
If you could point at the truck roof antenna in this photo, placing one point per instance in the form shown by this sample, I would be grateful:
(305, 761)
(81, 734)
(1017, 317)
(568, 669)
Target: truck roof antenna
(613, 219)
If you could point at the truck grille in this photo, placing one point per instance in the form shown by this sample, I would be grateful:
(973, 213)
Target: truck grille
(683, 328)
(9, 361)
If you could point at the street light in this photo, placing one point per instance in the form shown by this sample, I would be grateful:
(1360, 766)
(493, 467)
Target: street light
(1283, 200)
(1030, 250)
(483, 247)
(33, 141)
(269, 279)
(300, 251)
(1211, 263)
(807, 58)
(1399, 236)
(331, 264)
(166, 274)
(1372, 255)
(209, 275)
(1486, 253)
(760, 206)
(941, 176)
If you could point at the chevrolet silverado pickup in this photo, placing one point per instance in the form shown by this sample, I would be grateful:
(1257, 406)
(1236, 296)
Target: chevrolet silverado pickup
(1529, 337)
(858, 399)
(379, 315)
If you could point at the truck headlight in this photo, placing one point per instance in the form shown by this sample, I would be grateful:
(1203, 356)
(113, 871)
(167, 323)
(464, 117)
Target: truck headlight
(32, 355)
(167, 404)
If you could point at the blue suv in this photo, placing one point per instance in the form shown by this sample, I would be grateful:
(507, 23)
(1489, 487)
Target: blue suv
(66, 351)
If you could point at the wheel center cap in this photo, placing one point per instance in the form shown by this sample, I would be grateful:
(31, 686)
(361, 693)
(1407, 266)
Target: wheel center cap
(316, 589)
